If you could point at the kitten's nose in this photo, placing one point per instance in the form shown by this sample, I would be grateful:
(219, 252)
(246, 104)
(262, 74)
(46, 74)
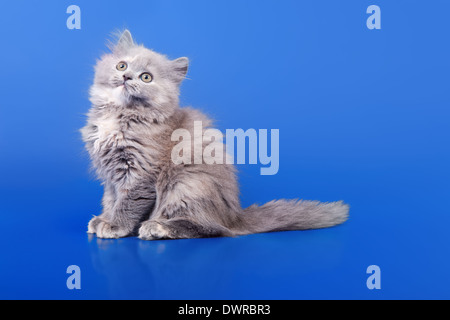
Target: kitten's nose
(126, 77)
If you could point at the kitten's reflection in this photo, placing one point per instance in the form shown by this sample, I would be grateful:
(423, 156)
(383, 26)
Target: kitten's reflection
(166, 269)
(119, 262)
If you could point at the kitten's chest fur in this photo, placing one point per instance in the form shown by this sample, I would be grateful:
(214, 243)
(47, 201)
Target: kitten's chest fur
(119, 143)
(107, 132)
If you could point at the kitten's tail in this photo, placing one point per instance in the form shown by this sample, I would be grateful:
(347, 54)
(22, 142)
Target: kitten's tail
(279, 215)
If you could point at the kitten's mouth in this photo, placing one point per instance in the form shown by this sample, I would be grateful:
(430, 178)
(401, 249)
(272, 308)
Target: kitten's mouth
(128, 91)
(124, 86)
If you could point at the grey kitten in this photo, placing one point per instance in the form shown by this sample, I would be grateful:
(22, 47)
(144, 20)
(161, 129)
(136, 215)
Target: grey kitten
(128, 136)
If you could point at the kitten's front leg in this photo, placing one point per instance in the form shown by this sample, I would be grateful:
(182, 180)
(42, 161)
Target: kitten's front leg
(131, 207)
(108, 202)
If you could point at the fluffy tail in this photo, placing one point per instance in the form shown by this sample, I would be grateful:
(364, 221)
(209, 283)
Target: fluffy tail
(279, 215)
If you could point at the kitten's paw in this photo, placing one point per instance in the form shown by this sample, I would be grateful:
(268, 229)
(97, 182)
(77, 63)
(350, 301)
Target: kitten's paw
(152, 230)
(105, 230)
(108, 231)
(92, 226)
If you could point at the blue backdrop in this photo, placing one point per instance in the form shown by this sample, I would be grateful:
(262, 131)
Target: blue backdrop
(363, 116)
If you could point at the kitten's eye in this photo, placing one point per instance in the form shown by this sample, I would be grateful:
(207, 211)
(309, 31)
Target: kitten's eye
(146, 77)
(122, 66)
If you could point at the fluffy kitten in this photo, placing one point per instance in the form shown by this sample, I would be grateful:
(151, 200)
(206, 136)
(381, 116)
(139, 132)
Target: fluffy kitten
(128, 136)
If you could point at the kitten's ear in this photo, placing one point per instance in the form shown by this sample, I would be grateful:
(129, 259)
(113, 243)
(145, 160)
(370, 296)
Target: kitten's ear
(180, 68)
(124, 43)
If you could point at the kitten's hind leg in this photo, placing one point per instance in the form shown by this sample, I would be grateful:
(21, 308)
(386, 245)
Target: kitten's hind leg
(191, 204)
(179, 228)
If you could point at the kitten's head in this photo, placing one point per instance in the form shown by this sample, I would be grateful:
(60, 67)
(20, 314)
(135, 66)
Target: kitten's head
(132, 75)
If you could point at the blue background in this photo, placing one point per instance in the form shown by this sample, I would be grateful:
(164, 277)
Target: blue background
(363, 116)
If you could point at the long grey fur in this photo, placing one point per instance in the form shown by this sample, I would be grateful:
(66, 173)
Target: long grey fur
(128, 137)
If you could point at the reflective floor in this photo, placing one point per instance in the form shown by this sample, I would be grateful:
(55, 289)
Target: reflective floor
(411, 252)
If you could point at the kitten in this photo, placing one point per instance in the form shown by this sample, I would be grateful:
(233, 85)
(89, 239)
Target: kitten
(128, 136)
